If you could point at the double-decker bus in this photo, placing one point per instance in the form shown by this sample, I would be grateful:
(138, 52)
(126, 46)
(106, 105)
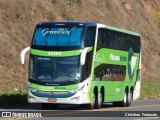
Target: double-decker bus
(83, 63)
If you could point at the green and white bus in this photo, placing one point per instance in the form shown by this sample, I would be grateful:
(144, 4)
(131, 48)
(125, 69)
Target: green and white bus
(83, 63)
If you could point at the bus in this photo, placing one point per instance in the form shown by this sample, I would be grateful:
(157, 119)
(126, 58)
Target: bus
(83, 63)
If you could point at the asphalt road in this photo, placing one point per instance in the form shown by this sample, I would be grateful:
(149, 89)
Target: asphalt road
(68, 112)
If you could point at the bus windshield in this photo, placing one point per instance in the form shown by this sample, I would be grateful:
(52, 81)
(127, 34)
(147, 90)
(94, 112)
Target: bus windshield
(55, 71)
(58, 36)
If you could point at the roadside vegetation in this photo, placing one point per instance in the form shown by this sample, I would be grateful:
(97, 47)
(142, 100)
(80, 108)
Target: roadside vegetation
(10, 98)
(150, 90)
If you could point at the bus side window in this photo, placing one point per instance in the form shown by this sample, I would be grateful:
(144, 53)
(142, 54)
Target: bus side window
(136, 44)
(86, 70)
(88, 67)
(108, 73)
(127, 42)
(112, 40)
(101, 38)
(117, 41)
(108, 39)
(123, 71)
(98, 73)
(123, 40)
(117, 73)
(90, 36)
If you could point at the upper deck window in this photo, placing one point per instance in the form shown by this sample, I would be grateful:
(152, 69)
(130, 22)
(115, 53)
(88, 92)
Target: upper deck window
(90, 36)
(58, 36)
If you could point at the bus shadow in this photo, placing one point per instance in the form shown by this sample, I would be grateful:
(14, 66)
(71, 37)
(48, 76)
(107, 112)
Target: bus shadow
(77, 107)
(19, 102)
(10, 100)
(107, 105)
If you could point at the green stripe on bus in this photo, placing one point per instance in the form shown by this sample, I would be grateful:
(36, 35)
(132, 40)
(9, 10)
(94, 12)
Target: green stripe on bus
(58, 53)
(53, 88)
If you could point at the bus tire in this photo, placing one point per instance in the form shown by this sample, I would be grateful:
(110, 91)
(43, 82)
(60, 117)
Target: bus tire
(92, 104)
(125, 99)
(98, 103)
(130, 96)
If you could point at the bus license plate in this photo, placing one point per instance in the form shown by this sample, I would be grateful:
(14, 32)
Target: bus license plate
(52, 99)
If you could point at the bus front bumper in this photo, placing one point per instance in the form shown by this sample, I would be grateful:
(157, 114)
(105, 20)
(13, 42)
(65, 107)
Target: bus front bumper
(78, 98)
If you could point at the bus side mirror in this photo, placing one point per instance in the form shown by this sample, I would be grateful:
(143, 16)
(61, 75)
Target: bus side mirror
(83, 56)
(22, 56)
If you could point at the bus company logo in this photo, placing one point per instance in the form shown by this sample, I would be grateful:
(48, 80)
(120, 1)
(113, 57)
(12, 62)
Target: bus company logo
(61, 31)
(55, 53)
(132, 59)
(133, 63)
(97, 59)
(59, 88)
(114, 57)
(46, 88)
(117, 58)
(52, 88)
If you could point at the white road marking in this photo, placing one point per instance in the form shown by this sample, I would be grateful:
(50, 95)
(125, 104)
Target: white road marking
(148, 118)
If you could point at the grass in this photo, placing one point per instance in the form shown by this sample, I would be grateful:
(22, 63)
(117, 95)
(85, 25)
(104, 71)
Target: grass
(18, 12)
(150, 90)
(71, 2)
(51, 17)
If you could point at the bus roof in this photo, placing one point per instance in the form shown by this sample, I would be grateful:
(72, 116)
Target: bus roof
(118, 29)
(52, 23)
(67, 23)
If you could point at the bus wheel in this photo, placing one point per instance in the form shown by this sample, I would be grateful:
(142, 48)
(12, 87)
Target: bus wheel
(98, 103)
(129, 100)
(125, 99)
(92, 104)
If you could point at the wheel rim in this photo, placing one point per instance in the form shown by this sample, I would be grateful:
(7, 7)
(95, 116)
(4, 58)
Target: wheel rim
(100, 100)
(93, 99)
(125, 97)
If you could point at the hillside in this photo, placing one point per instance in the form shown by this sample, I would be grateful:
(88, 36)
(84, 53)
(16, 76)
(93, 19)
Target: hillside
(19, 17)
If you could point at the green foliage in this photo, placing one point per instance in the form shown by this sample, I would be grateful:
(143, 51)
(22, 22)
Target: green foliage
(150, 90)
(71, 2)
(124, 1)
(51, 17)
(156, 15)
(18, 12)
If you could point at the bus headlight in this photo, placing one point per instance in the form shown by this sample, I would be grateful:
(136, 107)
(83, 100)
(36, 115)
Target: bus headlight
(76, 98)
(32, 90)
(76, 90)
(30, 97)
